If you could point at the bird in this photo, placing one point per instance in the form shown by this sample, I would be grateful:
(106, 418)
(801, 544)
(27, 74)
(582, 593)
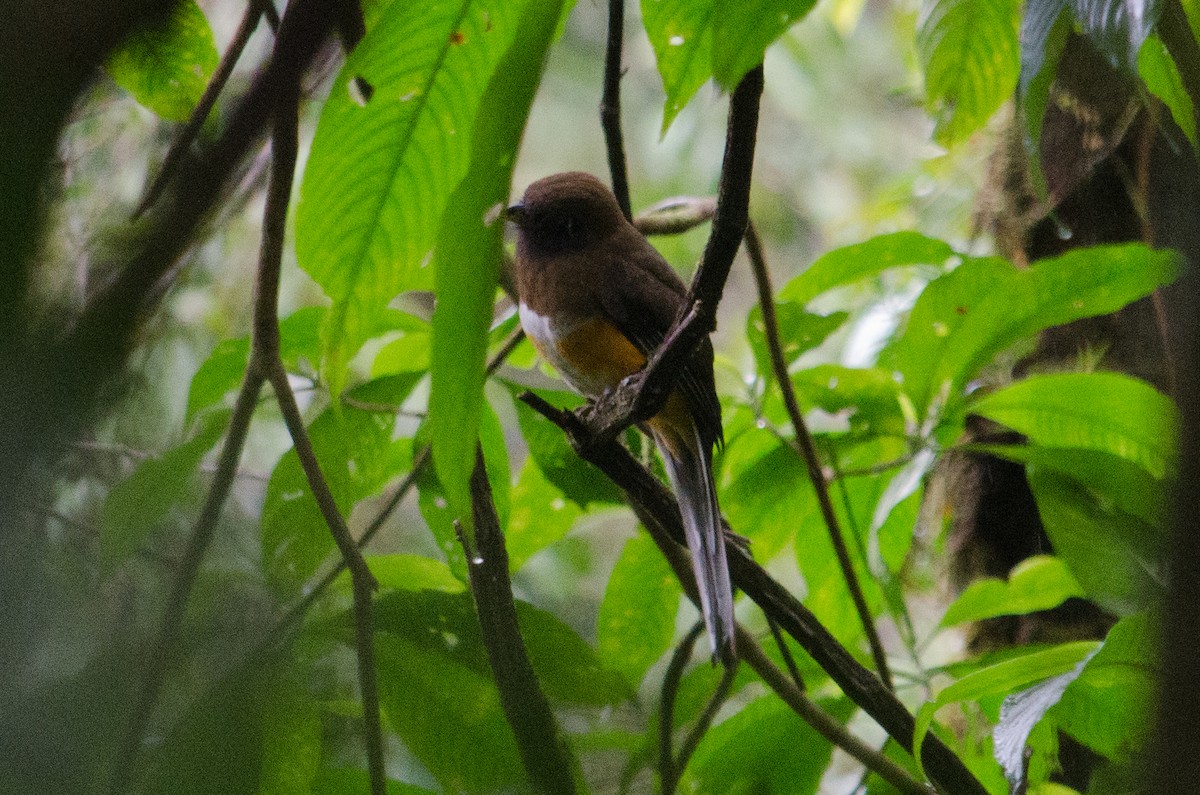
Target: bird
(596, 299)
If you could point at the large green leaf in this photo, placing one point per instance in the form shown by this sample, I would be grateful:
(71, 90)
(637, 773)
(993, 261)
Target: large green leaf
(694, 40)
(470, 249)
(448, 715)
(799, 332)
(1037, 583)
(1105, 412)
(167, 66)
(357, 456)
(1117, 558)
(637, 617)
(1002, 678)
(1109, 706)
(540, 515)
(393, 143)
(765, 747)
(1161, 76)
(446, 624)
(962, 320)
(851, 263)
(138, 504)
(969, 51)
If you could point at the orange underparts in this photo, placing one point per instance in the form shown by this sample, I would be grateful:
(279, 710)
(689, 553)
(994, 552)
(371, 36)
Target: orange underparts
(599, 349)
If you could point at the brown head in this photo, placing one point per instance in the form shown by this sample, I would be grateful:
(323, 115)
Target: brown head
(565, 214)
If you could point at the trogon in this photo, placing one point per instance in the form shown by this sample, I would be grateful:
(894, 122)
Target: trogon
(596, 299)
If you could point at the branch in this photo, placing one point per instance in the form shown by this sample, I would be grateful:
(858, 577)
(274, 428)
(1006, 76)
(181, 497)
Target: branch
(187, 134)
(610, 106)
(804, 447)
(267, 357)
(172, 622)
(668, 771)
(649, 497)
(789, 690)
(676, 215)
(545, 757)
(643, 394)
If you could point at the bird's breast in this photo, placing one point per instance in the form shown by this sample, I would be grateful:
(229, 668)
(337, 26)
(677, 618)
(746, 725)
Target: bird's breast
(590, 353)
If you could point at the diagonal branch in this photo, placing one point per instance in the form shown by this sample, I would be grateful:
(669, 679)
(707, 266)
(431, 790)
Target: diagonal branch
(545, 757)
(649, 497)
(187, 134)
(804, 447)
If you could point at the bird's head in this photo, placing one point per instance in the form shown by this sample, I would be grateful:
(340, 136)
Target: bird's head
(565, 213)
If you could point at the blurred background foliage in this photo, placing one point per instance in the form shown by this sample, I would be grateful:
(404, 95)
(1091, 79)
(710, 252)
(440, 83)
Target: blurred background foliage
(848, 151)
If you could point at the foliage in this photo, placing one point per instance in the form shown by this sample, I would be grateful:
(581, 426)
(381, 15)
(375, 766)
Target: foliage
(894, 345)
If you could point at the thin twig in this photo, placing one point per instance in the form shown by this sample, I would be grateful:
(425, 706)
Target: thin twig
(705, 721)
(216, 84)
(543, 753)
(185, 579)
(807, 451)
(610, 106)
(668, 771)
(826, 725)
(788, 660)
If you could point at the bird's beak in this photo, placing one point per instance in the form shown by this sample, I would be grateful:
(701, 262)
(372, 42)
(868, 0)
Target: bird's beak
(515, 213)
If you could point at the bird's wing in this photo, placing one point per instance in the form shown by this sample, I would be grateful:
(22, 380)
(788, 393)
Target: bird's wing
(641, 295)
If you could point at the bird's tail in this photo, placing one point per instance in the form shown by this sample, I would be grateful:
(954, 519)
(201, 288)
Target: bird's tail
(689, 465)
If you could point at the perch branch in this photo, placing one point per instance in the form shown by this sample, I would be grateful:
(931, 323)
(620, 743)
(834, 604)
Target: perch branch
(650, 497)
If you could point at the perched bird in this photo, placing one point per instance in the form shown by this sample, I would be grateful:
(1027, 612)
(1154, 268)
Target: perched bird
(596, 300)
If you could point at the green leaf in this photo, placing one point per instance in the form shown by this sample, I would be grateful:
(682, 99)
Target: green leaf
(1037, 583)
(1161, 76)
(963, 319)
(1117, 27)
(540, 515)
(970, 55)
(409, 573)
(470, 249)
(1002, 678)
(1106, 412)
(637, 617)
(456, 726)
(851, 263)
(1115, 557)
(1109, 707)
(1019, 714)
(680, 32)
(382, 170)
(225, 368)
(742, 31)
(446, 624)
(765, 747)
(869, 397)
(357, 457)
(291, 740)
(141, 502)
(799, 332)
(694, 40)
(166, 66)
(578, 480)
